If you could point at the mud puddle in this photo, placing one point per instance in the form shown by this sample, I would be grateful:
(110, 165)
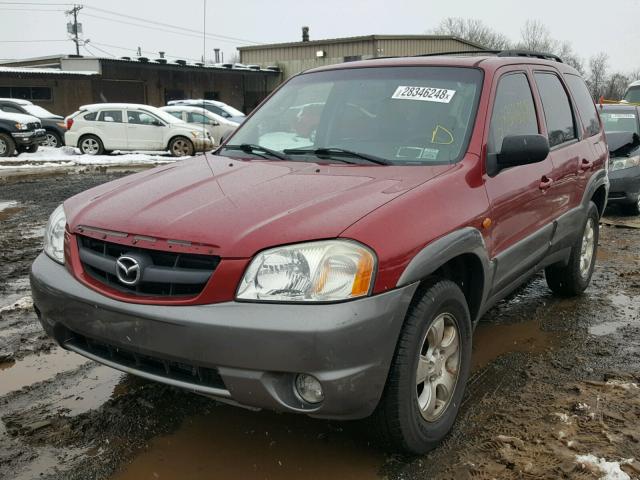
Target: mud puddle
(627, 314)
(37, 368)
(491, 341)
(233, 443)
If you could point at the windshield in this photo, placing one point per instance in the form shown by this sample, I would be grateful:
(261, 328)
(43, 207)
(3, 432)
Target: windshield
(405, 115)
(633, 95)
(166, 116)
(38, 111)
(619, 121)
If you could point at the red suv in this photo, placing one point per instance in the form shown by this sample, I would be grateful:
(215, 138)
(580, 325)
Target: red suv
(333, 257)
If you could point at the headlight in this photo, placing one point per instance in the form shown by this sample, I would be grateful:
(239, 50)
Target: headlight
(54, 235)
(197, 134)
(624, 162)
(21, 126)
(324, 271)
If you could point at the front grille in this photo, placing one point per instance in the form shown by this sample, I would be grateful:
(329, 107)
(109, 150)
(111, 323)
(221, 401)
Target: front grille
(183, 372)
(166, 274)
(33, 125)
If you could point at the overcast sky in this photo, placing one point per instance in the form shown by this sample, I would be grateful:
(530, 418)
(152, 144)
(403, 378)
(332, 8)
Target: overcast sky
(590, 25)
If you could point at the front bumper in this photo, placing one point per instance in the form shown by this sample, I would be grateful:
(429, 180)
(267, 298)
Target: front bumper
(256, 349)
(33, 137)
(202, 144)
(625, 186)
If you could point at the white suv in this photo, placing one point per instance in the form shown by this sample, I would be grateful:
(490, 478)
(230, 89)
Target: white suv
(101, 128)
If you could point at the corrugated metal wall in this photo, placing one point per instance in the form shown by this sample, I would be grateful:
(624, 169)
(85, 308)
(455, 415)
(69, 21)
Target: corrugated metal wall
(297, 58)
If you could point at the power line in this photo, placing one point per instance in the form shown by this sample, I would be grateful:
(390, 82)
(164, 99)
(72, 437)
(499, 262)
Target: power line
(30, 10)
(36, 3)
(146, 20)
(33, 41)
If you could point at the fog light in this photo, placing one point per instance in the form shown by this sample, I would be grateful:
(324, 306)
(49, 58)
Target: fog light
(309, 388)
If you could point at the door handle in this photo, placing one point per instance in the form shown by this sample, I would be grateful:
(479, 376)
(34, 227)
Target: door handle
(585, 165)
(545, 183)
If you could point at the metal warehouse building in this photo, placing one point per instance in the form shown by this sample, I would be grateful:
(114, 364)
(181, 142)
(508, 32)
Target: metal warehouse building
(296, 57)
(62, 83)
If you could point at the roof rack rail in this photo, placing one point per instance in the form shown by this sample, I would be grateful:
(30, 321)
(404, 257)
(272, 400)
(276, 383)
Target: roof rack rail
(530, 54)
(497, 53)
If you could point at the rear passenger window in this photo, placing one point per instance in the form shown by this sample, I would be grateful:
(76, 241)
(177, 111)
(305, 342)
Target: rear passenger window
(514, 112)
(91, 116)
(113, 116)
(557, 109)
(584, 102)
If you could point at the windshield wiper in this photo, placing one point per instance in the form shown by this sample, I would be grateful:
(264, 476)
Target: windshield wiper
(334, 151)
(256, 149)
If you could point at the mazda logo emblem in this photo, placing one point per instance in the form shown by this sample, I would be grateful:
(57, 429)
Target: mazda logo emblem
(128, 270)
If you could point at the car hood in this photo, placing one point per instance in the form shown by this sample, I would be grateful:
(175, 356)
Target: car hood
(19, 117)
(236, 207)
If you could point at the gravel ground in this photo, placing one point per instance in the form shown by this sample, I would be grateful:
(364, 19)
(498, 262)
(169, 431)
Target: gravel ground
(554, 392)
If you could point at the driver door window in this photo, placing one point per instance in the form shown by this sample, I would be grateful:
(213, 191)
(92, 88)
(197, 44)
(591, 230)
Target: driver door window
(143, 131)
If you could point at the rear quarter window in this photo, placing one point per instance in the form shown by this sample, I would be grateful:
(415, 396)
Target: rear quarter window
(91, 116)
(584, 104)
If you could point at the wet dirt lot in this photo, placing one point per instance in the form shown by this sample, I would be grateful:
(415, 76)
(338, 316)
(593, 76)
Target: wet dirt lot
(553, 379)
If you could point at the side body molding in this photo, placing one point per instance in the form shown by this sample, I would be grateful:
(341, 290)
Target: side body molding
(467, 240)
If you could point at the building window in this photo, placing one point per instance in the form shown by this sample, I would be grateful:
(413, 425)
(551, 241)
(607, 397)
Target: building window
(353, 58)
(27, 93)
(170, 95)
(211, 95)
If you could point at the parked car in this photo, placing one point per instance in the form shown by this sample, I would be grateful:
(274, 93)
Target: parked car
(632, 95)
(104, 127)
(53, 124)
(622, 128)
(19, 133)
(341, 274)
(219, 108)
(217, 126)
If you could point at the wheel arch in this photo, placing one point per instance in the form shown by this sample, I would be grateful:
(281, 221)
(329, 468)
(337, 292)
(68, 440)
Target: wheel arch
(179, 135)
(461, 257)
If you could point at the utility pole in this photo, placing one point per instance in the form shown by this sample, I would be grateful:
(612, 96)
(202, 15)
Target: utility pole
(74, 28)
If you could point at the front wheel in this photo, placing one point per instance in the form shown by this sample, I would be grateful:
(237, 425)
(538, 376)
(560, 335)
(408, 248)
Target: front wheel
(573, 278)
(181, 147)
(429, 371)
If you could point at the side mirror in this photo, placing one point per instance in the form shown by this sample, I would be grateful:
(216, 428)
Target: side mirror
(157, 123)
(518, 150)
(214, 123)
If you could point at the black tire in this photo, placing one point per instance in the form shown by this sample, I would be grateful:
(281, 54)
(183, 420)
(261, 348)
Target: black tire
(398, 421)
(90, 145)
(7, 145)
(31, 148)
(633, 208)
(181, 147)
(53, 139)
(572, 279)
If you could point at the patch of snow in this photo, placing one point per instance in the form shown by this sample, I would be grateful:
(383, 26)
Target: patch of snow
(54, 71)
(24, 303)
(69, 156)
(623, 385)
(610, 470)
(7, 204)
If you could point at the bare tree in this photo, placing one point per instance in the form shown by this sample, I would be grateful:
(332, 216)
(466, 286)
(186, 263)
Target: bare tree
(615, 86)
(473, 30)
(597, 80)
(568, 56)
(535, 36)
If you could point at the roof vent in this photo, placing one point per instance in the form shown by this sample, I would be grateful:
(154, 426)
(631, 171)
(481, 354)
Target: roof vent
(143, 59)
(273, 68)
(227, 65)
(305, 34)
(253, 67)
(125, 58)
(181, 62)
(199, 64)
(161, 60)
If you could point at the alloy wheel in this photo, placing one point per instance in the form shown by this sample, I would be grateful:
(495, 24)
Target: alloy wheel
(438, 367)
(587, 249)
(90, 146)
(3, 147)
(50, 141)
(181, 148)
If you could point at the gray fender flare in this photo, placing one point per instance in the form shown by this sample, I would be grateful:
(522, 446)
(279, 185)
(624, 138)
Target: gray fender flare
(597, 180)
(467, 240)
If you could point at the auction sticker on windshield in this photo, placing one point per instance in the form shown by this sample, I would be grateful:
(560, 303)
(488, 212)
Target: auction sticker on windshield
(426, 94)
